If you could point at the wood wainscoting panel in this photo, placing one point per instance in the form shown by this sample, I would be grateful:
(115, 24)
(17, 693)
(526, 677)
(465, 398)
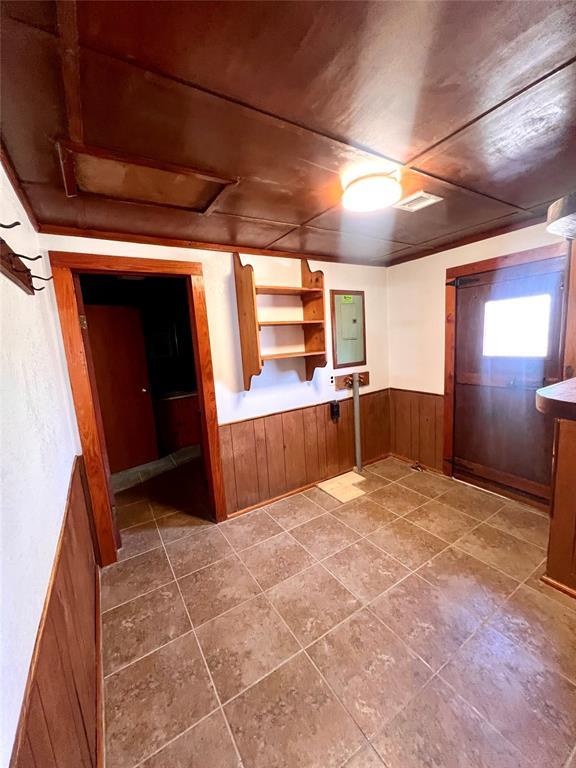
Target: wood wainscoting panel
(270, 456)
(294, 451)
(416, 426)
(59, 722)
(246, 472)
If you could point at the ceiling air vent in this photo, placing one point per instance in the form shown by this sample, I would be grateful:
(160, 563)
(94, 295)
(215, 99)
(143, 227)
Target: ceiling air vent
(417, 201)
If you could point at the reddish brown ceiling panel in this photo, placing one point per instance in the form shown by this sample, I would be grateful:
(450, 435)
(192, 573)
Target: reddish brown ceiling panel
(524, 152)
(458, 210)
(32, 106)
(405, 78)
(52, 206)
(469, 235)
(279, 202)
(36, 13)
(344, 246)
(282, 166)
(392, 76)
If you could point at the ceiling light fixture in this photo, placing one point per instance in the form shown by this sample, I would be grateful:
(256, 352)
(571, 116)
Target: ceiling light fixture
(371, 193)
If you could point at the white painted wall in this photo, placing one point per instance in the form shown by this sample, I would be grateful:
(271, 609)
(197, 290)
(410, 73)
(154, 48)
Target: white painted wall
(282, 384)
(38, 441)
(416, 306)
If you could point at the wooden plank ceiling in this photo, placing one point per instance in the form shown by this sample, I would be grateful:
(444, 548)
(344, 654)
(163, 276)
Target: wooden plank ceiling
(475, 100)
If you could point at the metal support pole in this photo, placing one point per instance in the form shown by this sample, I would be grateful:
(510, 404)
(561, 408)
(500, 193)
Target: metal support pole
(357, 435)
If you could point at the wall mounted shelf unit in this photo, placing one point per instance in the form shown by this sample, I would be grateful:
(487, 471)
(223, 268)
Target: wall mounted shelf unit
(311, 293)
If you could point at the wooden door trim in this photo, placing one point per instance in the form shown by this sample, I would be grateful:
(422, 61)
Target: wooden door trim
(465, 270)
(65, 266)
(510, 260)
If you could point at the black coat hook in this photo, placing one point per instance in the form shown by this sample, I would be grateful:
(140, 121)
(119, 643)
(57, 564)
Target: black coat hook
(28, 258)
(38, 277)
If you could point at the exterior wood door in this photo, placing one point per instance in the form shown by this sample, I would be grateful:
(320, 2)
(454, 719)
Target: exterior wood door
(121, 371)
(508, 343)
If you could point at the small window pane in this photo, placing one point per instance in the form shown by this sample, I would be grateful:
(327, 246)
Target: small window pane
(517, 327)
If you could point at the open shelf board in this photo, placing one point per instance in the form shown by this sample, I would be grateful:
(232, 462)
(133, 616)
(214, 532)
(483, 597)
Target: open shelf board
(267, 323)
(311, 292)
(286, 355)
(286, 290)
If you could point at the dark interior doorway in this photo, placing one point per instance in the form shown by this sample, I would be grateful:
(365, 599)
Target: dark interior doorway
(508, 343)
(143, 357)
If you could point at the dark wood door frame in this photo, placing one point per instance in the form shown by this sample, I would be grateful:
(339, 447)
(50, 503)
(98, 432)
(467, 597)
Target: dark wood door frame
(465, 270)
(66, 267)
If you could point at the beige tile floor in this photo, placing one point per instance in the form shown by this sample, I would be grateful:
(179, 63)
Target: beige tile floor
(406, 629)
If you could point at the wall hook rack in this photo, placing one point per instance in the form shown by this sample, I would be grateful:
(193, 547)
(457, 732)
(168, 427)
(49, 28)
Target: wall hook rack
(13, 267)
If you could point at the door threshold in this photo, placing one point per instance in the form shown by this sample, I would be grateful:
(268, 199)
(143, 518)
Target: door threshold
(128, 478)
(502, 490)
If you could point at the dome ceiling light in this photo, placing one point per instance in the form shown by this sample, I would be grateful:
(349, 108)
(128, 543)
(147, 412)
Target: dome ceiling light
(371, 192)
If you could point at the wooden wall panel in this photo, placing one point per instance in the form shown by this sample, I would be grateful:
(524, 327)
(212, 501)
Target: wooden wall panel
(417, 427)
(273, 455)
(246, 470)
(345, 435)
(375, 418)
(294, 451)
(322, 446)
(311, 447)
(227, 459)
(261, 459)
(59, 721)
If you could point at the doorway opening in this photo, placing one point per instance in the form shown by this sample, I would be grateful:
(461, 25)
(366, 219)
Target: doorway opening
(504, 340)
(141, 344)
(137, 345)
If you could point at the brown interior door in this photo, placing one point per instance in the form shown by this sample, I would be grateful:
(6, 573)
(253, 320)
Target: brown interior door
(118, 353)
(508, 343)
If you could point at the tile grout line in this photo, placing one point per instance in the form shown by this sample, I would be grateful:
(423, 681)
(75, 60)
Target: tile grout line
(522, 646)
(364, 605)
(175, 738)
(144, 655)
(304, 650)
(360, 537)
(324, 511)
(217, 695)
(143, 594)
(485, 719)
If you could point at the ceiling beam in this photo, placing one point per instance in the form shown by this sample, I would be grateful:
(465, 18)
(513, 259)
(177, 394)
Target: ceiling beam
(70, 62)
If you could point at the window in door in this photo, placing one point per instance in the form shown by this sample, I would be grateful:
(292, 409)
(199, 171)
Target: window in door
(517, 327)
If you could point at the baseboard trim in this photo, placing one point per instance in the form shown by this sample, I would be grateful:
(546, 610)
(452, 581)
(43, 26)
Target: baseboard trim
(570, 591)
